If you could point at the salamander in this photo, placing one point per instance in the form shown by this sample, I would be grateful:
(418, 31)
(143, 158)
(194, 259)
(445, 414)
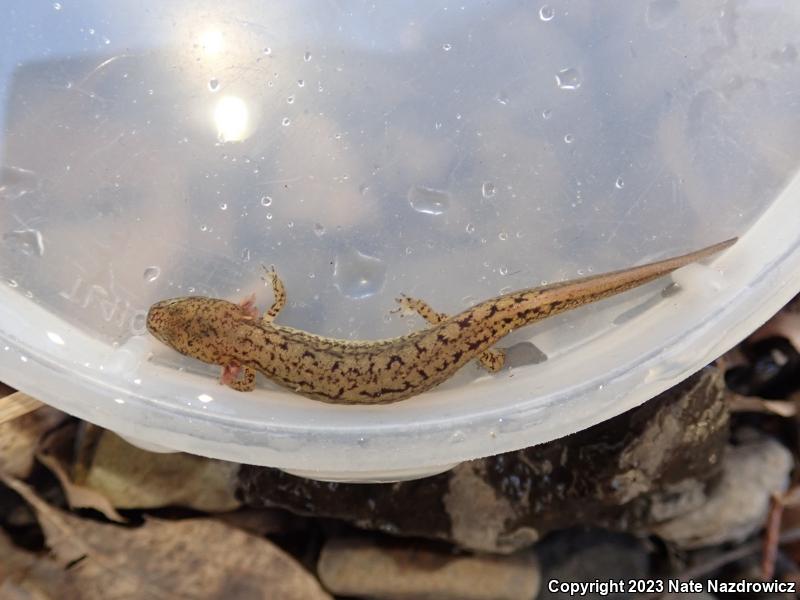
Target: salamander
(243, 342)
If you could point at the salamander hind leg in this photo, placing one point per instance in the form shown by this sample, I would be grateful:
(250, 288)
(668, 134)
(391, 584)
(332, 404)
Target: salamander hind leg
(278, 292)
(239, 378)
(422, 308)
(492, 360)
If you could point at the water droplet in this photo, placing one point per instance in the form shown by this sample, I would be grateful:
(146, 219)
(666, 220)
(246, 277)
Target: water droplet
(546, 13)
(223, 206)
(428, 200)
(503, 235)
(409, 250)
(267, 51)
(266, 201)
(619, 183)
(785, 56)
(568, 79)
(319, 230)
(457, 437)
(502, 98)
(488, 189)
(301, 83)
(503, 270)
(213, 84)
(26, 241)
(151, 273)
(57, 6)
(307, 56)
(470, 228)
(245, 254)
(12, 283)
(547, 113)
(447, 47)
(569, 138)
(204, 228)
(290, 99)
(106, 41)
(358, 275)
(290, 224)
(139, 323)
(286, 121)
(269, 216)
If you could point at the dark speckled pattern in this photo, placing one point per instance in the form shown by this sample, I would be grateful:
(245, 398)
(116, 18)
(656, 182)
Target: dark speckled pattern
(374, 372)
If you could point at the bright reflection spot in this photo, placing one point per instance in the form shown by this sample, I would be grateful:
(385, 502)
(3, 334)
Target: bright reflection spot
(119, 400)
(55, 338)
(205, 398)
(211, 42)
(230, 117)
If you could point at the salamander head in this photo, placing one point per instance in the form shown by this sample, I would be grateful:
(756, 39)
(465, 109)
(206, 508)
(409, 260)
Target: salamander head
(198, 327)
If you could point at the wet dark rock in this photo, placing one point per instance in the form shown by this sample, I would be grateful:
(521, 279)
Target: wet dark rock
(772, 369)
(587, 555)
(643, 467)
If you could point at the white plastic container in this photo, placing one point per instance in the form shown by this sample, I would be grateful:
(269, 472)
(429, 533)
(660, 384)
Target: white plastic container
(446, 151)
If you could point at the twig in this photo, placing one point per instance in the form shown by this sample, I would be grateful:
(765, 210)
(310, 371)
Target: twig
(719, 561)
(771, 532)
(739, 403)
(777, 502)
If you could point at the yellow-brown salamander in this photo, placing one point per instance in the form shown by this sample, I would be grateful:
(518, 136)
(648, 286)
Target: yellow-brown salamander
(235, 337)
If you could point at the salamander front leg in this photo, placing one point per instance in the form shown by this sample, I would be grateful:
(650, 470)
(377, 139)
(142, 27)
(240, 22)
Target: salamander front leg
(237, 377)
(278, 292)
(249, 306)
(492, 359)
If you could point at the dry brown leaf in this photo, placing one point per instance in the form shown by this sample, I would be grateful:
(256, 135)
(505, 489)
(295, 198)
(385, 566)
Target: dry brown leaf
(20, 435)
(52, 453)
(21, 570)
(134, 478)
(199, 559)
(263, 521)
(784, 324)
(17, 404)
(5, 389)
(732, 358)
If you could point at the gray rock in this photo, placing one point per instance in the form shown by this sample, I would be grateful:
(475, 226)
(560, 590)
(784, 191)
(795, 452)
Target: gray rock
(737, 506)
(647, 465)
(365, 568)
